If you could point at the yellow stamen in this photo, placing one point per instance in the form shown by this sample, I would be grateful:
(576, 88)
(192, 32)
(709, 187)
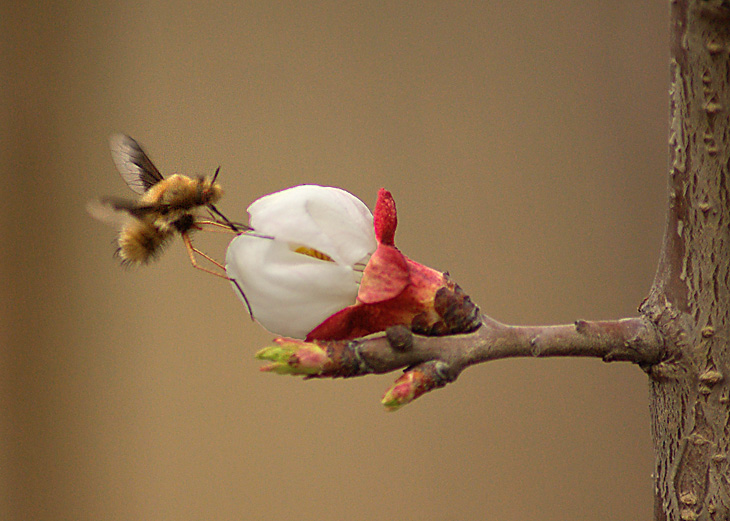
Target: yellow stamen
(311, 252)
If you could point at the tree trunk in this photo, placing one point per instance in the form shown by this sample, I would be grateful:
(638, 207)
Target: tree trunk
(690, 299)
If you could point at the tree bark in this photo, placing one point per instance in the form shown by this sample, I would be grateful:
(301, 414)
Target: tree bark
(690, 298)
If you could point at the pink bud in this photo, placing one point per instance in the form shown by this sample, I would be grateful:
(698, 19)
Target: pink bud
(407, 388)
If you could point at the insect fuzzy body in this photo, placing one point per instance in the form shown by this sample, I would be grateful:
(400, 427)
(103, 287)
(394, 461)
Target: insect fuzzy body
(167, 206)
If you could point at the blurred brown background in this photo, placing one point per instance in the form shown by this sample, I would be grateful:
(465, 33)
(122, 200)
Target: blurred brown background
(525, 146)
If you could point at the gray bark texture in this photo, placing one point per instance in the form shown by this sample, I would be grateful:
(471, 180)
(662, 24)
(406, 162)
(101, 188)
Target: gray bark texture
(690, 298)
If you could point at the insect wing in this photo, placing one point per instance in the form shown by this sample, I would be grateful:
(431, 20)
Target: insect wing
(115, 210)
(132, 208)
(104, 211)
(133, 164)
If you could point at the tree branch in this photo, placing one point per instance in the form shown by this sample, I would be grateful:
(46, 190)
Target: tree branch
(433, 361)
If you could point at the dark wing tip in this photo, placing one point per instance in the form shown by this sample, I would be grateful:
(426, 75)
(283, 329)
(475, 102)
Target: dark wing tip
(135, 167)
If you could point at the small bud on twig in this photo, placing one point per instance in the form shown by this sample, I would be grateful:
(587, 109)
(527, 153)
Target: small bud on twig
(400, 338)
(294, 357)
(415, 382)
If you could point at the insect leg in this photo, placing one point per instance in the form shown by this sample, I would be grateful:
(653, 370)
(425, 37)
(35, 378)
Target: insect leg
(216, 224)
(192, 250)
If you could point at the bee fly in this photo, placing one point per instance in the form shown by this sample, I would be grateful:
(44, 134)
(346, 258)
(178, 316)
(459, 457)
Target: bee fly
(167, 206)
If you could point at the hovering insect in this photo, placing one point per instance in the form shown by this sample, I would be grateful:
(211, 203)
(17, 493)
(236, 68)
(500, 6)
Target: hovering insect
(167, 206)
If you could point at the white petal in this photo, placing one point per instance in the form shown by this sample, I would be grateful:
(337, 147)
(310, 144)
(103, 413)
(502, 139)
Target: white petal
(290, 293)
(325, 218)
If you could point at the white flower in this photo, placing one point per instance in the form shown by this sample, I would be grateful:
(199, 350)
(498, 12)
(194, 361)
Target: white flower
(303, 261)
